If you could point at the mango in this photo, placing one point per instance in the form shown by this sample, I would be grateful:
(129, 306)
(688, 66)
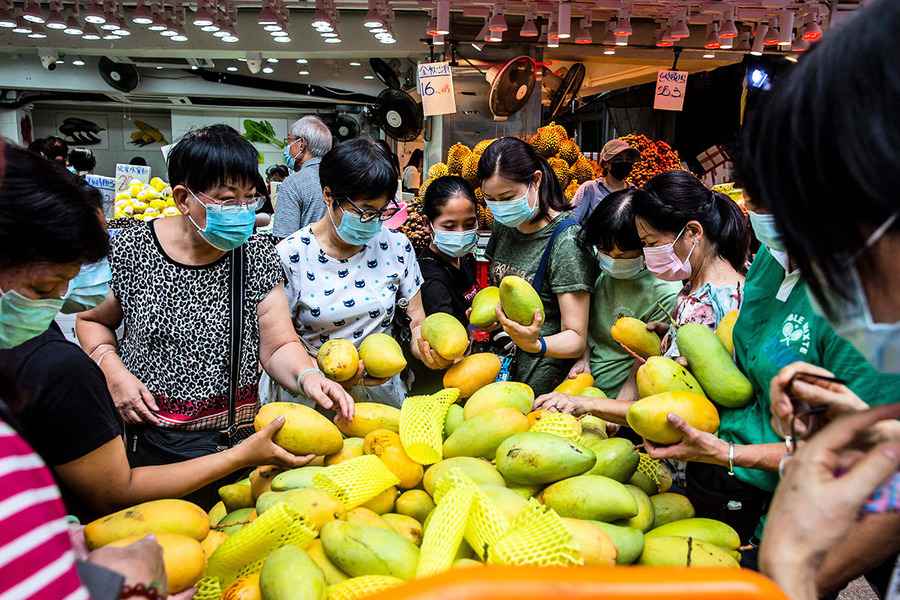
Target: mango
(455, 417)
(405, 526)
(234, 522)
(480, 471)
(629, 542)
(502, 394)
(216, 513)
(383, 502)
(158, 516)
(591, 425)
(465, 563)
(382, 356)
(534, 458)
(211, 543)
(385, 444)
(244, 588)
(290, 574)
(305, 431)
(669, 507)
(684, 552)
(575, 385)
(642, 521)
(617, 458)
(596, 547)
(661, 374)
(592, 498)
(360, 550)
(484, 307)
(360, 587)
(261, 480)
(236, 495)
(632, 333)
(366, 516)
(526, 491)
(710, 531)
(369, 416)
(713, 366)
(446, 335)
(480, 436)
(339, 360)
(295, 479)
(592, 392)
(353, 448)
(519, 300)
(314, 504)
(183, 558)
(332, 574)
(649, 416)
(416, 504)
(472, 373)
(507, 501)
(662, 481)
(725, 330)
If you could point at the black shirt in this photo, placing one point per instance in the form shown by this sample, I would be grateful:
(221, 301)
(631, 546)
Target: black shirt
(446, 288)
(60, 400)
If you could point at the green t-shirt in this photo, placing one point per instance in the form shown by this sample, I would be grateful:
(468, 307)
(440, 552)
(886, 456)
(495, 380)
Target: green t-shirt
(614, 298)
(777, 327)
(571, 269)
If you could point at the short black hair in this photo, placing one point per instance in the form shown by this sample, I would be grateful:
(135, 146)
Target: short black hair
(441, 190)
(138, 161)
(513, 159)
(278, 170)
(676, 197)
(415, 159)
(358, 169)
(82, 159)
(56, 148)
(47, 215)
(612, 222)
(393, 155)
(822, 153)
(211, 157)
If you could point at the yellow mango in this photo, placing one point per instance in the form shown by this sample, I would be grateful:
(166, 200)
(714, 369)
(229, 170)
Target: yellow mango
(339, 360)
(213, 540)
(405, 526)
(481, 435)
(362, 587)
(454, 419)
(353, 448)
(661, 374)
(383, 502)
(366, 516)
(592, 392)
(576, 385)
(481, 471)
(590, 497)
(369, 416)
(135, 189)
(158, 184)
(684, 552)
(156, 517)
(649, 416)
(446, 335)
(643, 520)
(710, 531)
(596, 547)
(502, 394)
(295, 479)
(386, 445)
(725, 330)
(632, 333)
(305, 431)
(235, 521)
(244, 588)
(216, 513)
(290, 574)
(484, 307)
(669, 507)
(332, 574)
(507, 501)
(182, 555)
(261, 480)
(537, 458)
(466, 563)
(472, 373)
(382, 356)
(416, 504)
(519, 300)
(629, 541)
(317, 506)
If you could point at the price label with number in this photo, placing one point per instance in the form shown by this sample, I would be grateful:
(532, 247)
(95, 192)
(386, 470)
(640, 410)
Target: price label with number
(436, 88)
(671, 87)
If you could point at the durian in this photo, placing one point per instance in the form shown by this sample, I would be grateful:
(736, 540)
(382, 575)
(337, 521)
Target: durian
(561, 168)
(481, 146)
(569, 151)
(582, 170)
(438, 170)
(456, 158)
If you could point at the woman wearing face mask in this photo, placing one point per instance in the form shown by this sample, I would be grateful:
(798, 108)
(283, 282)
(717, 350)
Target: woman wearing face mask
(347, 274)
(533, 238)
(616, 160)
(412, 174)
(203, 307)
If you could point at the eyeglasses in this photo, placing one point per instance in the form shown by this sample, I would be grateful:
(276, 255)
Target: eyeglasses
(367, 215)
(254, 202)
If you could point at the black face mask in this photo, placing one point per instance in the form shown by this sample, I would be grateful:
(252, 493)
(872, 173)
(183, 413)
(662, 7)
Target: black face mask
(620, 169)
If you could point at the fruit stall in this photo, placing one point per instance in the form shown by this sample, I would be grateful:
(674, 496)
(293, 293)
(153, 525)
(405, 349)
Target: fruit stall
(466, 492)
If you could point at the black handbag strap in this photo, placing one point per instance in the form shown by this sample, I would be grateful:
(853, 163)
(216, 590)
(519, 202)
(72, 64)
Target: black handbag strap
(538, 281)
(236, 285)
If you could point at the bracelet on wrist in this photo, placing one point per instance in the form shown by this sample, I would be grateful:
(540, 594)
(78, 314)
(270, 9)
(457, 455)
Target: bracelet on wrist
(731, 459)
(301, 378)
(542, 348)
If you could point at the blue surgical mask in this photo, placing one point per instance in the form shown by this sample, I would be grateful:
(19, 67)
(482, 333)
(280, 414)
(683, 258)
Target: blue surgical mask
(227, 227)
(455, 243)
(766, 231)
(88, 288)
(514, 212)
(879, 343)
(23, 319)
(621, 268)
(289, 159)
(353, 231)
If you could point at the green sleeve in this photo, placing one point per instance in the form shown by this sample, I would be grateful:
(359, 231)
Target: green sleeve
(492, 243)
(665, 295)
(841, 358)
(572, 269)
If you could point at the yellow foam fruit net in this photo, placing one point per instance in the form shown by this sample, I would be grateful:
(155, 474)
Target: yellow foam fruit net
(422, 425)
(649, 467)
(244, 552)
(208, 588)
(562, 424)
(445, 529)
(360, 587)
(356, 481)
(538, 538)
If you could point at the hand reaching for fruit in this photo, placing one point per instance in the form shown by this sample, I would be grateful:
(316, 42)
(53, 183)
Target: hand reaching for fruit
(260, 449)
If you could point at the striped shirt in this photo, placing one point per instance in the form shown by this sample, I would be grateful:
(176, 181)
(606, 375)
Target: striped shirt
(36, 555)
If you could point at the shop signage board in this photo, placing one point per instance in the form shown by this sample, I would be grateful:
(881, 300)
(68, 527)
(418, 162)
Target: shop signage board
(125, 173)
(671, 87)
(436, 89)
(107, 187)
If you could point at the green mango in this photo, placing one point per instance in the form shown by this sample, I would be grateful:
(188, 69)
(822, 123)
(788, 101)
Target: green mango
(669, 506)
(235, 521)
(481, 435)
(294, 479)
(519, 300)
(710, 531)
(534, 458)
(662, 374)
(455, 418)
(507, 501)
(591, 498)
(359, 550)
(684, 552)
(484, 307)
(290, 574)
(526, 491)
(642, 521)
(479, 470)
(628, 541)
(713, 367)
(617, 458)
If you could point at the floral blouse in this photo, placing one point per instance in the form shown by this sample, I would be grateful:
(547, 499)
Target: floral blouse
(707, 305)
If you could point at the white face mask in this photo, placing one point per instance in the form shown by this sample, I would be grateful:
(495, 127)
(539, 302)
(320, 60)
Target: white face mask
(621, 268)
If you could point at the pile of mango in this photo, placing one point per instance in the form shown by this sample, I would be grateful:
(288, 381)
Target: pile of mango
(145, 201)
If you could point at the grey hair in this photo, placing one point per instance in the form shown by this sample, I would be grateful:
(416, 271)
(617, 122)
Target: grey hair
(316, 134)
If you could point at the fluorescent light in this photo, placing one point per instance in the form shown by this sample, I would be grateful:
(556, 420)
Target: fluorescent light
(332, 40)
(272, 61)
(268, 70)
(122, 32)
(609, 52)
(283, 40)
(373, 19)
(368, 77)
(210, 28)
(272, 27)
(141, 15)
(56, 20)
(158, 68)
(709, 55)
(72, 26)
(355, 64)
(327, 34)
(179, 38)
(378, 30)
(194, 67)
(90, 33)
(33, 12)
(388, 41)
(22, 26)
(302, 61)
(232, 69)
(621, 40)
(267, 16)
(230, 39)
(791, 58)
(78, 62)
(111, 37)
(7, 20)
(304, 72)
(221, 33)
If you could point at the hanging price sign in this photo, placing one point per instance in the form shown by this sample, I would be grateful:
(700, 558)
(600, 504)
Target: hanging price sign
(671, 87)
(436, 89)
